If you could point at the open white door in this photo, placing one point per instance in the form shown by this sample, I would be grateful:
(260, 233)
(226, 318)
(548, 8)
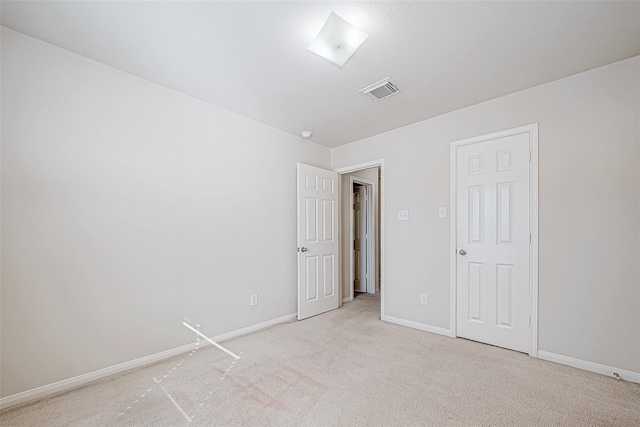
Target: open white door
(360, 248)
(317, 241)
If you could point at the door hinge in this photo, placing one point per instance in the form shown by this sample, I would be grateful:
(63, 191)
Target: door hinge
(529, 238)
(529, 320)
(530, 155)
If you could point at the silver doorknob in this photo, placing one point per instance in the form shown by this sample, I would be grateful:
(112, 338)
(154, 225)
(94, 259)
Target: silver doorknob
(462, 252)
(303, 249)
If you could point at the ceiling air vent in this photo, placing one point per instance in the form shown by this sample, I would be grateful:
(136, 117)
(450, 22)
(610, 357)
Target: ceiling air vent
(381, 90)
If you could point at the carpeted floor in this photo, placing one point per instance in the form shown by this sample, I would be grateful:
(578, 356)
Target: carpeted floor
(344, 368)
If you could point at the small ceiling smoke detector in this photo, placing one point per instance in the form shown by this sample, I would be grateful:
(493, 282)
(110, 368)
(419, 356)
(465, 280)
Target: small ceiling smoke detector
(380, 90)
(306, 134)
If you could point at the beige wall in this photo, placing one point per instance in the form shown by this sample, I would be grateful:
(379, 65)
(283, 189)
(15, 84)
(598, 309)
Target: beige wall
(589, 209)
(126, 207)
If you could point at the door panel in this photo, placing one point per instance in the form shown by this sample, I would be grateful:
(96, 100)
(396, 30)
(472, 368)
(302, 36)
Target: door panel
(317, 241)
(493, 290)
(329, 269)
(475, 291)
(311, 278)
(505, 303)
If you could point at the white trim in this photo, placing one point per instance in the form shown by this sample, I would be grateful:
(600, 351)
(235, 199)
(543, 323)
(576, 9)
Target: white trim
(347, 299)
(453, 243)
(341, 297)
(532, 130)
(69, 383)
(533, 228)
(367, 165)
(360, 166)
(351, 235)
(590, 366)
(383, 284)
(252, 328)
(415, 325)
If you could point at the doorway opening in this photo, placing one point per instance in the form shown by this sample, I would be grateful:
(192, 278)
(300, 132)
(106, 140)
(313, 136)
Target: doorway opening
(361, 222)
(362, 230)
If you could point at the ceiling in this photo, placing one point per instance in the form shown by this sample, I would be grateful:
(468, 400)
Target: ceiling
(252, 57)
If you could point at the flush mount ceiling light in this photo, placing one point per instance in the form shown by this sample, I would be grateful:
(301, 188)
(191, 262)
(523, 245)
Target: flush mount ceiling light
(338, 40)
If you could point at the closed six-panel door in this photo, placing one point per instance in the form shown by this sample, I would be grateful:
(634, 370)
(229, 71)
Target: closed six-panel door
(493, 240)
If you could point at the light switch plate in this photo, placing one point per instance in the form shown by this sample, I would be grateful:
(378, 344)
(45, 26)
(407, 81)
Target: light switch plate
(442, 213)
(403, 215)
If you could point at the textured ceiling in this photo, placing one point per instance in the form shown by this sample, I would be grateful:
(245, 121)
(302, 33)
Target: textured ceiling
(252, 57)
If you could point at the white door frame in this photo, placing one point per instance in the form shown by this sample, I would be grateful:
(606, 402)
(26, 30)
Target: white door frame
(370, 248)
(358, 167)
(532, 130)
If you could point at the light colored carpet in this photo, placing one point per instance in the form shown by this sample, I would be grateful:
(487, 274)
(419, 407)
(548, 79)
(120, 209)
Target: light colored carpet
(344, 368)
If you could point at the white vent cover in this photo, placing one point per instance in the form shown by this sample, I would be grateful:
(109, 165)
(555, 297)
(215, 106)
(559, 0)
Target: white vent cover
(381, 90)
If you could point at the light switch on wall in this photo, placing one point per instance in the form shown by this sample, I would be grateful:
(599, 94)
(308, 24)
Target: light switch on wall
(442, 212)
(403, 215)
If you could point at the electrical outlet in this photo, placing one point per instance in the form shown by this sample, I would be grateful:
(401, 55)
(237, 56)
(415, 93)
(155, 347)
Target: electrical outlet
(254, 299)
(442, 213)
(403, 215)
(423, 299)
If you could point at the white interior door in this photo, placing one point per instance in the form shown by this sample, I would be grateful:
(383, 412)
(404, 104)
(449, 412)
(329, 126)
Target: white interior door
(360, 238)
(317, 241)
(493, 241)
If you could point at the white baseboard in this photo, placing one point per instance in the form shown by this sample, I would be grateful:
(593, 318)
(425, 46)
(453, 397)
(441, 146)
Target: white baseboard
(70, 383)
(253, 328)
(347, 299)
(415, 325)
(590, 366)
(36, 393)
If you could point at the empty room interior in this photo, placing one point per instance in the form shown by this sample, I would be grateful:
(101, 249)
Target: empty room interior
(320, 213)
